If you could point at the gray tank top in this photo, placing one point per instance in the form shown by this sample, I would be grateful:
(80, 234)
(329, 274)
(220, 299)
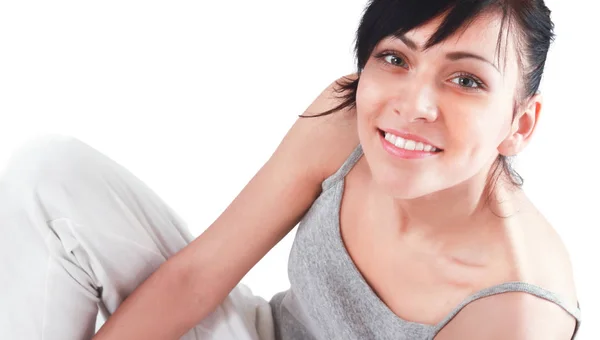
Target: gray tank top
(329, 298)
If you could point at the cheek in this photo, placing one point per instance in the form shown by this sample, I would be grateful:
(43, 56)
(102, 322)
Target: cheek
(476, 129)
(375, 90)
(368, 101)
(371, 103)
(368, 95)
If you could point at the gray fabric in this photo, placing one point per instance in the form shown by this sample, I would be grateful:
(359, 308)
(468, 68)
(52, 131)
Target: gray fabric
(329, 299)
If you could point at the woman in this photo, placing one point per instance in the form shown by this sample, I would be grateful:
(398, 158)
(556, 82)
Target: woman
(413, 225)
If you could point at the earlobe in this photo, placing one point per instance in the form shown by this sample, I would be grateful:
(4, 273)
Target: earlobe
(510, 146)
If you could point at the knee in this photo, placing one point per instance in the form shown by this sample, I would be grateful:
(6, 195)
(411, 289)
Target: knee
(48, 157)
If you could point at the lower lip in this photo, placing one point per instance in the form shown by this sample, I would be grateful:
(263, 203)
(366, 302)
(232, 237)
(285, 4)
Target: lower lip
(403, 153)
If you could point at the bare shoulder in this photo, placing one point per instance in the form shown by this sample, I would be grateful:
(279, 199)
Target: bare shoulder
(540, 258)
(323, 142)
(535, 250)
(545, 259)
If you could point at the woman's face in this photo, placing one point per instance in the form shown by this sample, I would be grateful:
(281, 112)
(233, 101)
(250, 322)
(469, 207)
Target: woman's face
(455, 97)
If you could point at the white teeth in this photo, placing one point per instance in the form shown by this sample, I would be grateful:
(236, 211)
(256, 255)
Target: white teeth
(408, 144)
(400, 142)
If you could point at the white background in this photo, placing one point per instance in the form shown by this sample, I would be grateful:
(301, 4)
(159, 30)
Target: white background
(194, 96)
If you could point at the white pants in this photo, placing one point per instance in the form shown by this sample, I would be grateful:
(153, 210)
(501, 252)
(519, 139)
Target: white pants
(79, 232)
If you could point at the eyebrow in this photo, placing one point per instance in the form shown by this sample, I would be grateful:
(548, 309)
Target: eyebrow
(450, 56)
(411, 44)
(463, 55)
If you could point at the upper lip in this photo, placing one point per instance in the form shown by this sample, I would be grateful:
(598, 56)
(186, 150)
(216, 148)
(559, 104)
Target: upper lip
(411, 136)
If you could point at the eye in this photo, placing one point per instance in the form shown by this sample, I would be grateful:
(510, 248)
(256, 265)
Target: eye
(468, 81)
(395, 60)
(392, 58)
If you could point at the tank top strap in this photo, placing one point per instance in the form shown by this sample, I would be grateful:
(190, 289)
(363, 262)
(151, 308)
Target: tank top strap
(523, 287)
(344, 169)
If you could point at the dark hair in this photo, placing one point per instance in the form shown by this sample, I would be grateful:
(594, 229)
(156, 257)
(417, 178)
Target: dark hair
(383, 18)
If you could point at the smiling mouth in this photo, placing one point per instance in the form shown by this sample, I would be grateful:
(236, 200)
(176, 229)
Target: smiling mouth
(408, 144)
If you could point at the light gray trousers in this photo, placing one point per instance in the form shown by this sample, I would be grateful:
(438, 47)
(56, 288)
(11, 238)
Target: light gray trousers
(79, 233)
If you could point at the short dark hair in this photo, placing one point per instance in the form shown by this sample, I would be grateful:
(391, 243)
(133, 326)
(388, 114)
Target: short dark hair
(384, 18)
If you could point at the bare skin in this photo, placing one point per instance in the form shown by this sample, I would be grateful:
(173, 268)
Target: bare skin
(420, 232)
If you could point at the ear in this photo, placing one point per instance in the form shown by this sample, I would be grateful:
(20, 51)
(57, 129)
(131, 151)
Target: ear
(524, 123)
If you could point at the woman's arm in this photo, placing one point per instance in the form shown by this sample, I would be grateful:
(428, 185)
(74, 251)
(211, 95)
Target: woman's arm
(191, 284)
(514, 315)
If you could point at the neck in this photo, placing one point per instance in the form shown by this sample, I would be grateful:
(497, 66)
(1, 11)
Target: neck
(454, 212)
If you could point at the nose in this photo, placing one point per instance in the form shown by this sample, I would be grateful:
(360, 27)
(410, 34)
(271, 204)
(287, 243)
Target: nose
(417, 101)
